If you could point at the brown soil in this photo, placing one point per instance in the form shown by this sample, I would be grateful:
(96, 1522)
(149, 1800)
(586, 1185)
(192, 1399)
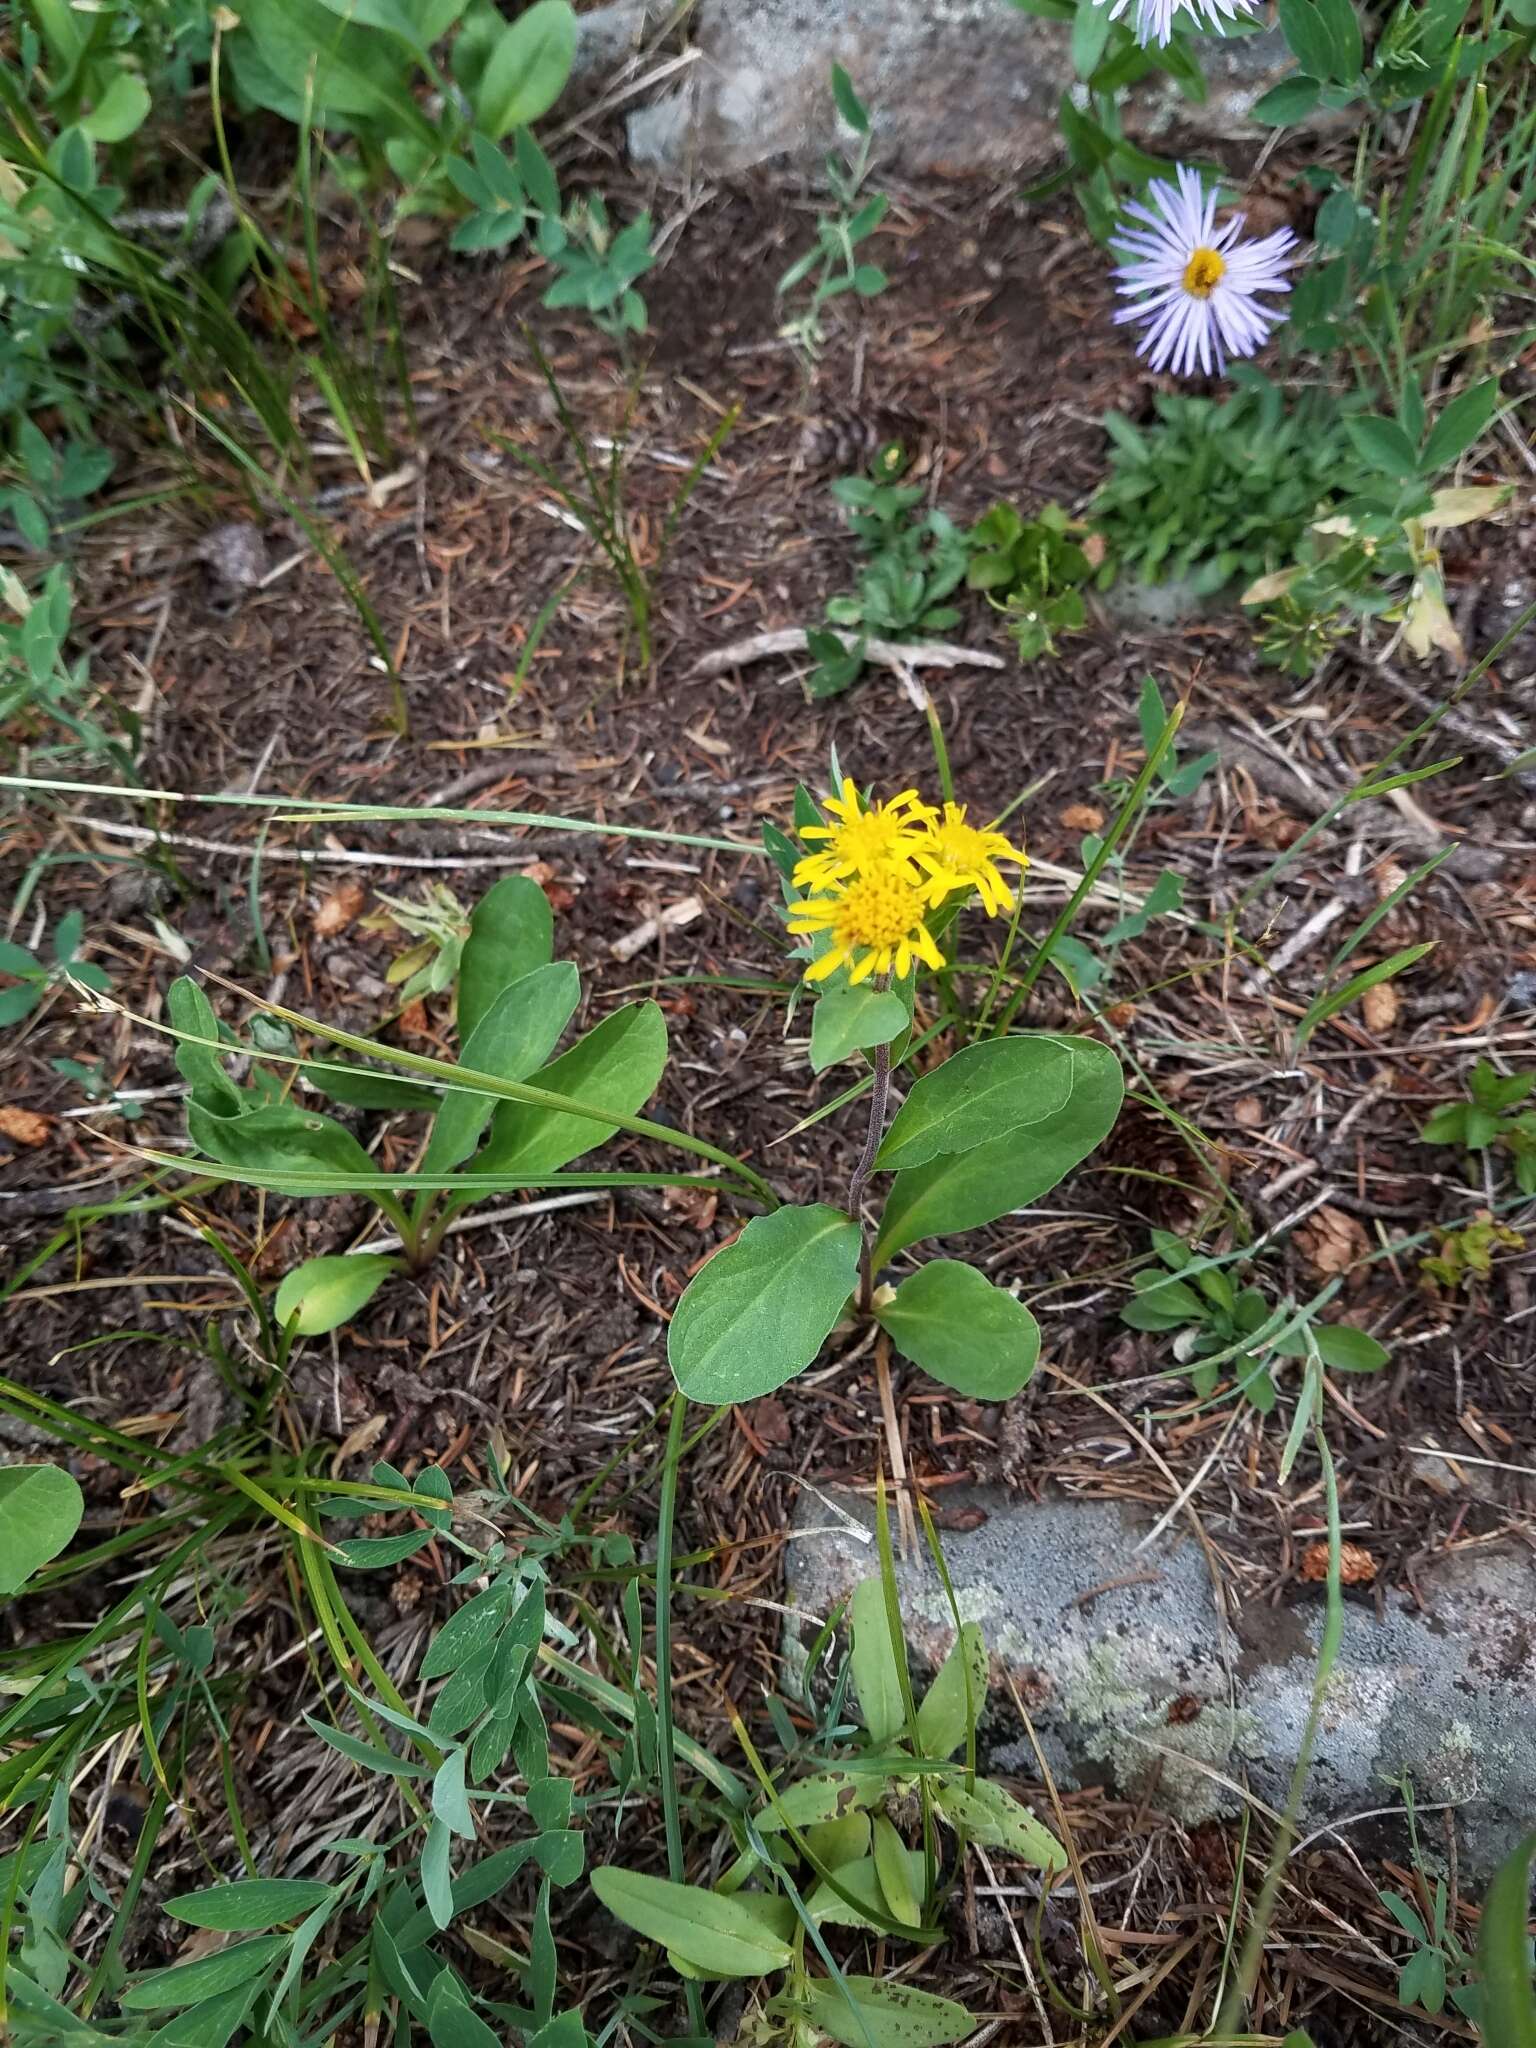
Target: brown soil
(991, 356)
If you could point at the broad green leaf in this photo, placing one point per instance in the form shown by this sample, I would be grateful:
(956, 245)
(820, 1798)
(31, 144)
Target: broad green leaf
(450, 1801)
(948, 1709)
(762, 1308)
(826, 1797)
(1460, 425)
(516, 1034)
(1338, 1345)
(995, 1818)
(328, 1292)
(275, 1138)
(961, 1191)
(250, 1905)
(361, 1087)
(705, 1928)
(1504, 1954)
(861, 1881)
(962, 1330)
(188, 1983)
(511, 932)
(122, 109)
(40, 1510)
(200, 1065)
(451, 2020)
(850, 1020)
(616, 1066)
(1384, 445)
(895, 1874)
(979, 1094)
(772, 1912)
(475, 1626)
(887, 2015)
(357, 77)
(876, 1674)
(527, 69)
(835, 1842)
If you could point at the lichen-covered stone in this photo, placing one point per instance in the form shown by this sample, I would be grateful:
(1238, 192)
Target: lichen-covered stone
(1130, 1676)
(955, 86)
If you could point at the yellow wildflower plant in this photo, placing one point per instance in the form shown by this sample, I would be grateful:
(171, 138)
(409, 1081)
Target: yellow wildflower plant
(954, 855)
(875, 921)
(861, 840)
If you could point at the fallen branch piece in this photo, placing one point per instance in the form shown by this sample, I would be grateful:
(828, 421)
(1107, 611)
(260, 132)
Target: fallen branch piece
(646, 934)
(894, 654)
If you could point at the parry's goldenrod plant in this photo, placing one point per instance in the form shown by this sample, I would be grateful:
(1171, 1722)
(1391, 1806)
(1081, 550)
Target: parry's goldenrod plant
(877, 892)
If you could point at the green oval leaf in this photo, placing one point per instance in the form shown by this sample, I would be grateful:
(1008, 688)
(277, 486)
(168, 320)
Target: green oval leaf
(325, 1293)
(886, 2015)
(850, 1020)
(957, 1698)
(511, 932)
(994, 1817)
(122, 108)
(825, 1798)
(978, 1095)
(527, 69)
(707, 1929)
(40, 1510)
(517, 1033)
(189, 1983)
(250, 1905)
(760, 1311)
(615, 1066)
(876, 1673)
(962, 1330)
(961, 1191)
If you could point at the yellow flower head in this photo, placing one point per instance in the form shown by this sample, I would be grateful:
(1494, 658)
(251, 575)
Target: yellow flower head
(954, 855)
(860, 840)
(875, 922)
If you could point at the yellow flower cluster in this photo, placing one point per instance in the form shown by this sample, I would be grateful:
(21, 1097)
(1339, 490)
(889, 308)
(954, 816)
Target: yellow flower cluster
(878, 870)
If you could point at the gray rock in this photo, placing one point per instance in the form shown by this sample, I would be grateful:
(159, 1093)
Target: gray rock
(955, 86)
(1129, 1678)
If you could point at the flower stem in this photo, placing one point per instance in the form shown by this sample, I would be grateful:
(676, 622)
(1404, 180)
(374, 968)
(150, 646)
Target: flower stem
(879, 1102)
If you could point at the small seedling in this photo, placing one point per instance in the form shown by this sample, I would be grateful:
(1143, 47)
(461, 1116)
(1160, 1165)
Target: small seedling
(94, 1085)
(439, 926)
(1466, 1255)
(913, 562)
(1225, 1326)
(831, 263)
(1035, 572)
(1485, 1120)
(33, 978)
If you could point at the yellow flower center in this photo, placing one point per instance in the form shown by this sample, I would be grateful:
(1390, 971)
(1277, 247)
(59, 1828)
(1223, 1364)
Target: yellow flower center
(1203, 272)
(870, 836)
(878, 910)
(960, 846)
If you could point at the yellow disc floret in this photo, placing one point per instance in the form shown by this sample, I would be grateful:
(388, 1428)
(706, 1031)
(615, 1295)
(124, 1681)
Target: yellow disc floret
(860, 839)
(875, 923)
(954, 855)
(1203, 272)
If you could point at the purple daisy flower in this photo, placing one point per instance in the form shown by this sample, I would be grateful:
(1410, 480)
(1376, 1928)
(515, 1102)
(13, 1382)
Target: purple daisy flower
(1191, 284)
(1154, 18)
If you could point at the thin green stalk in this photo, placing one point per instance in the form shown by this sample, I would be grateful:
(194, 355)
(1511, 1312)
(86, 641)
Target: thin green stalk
(666, 1743)
(1129, 812)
